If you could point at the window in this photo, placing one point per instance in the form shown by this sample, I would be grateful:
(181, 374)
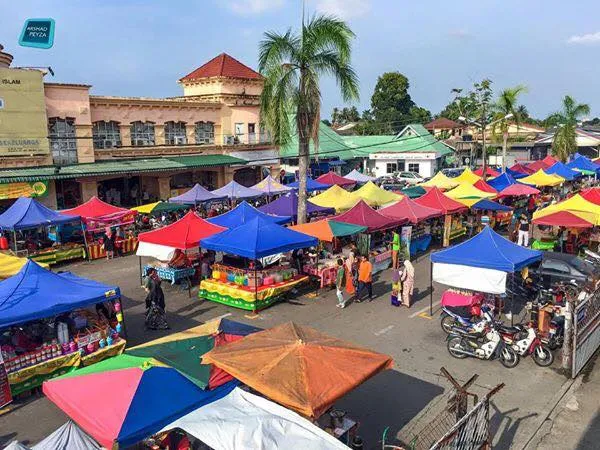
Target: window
(63, 140)
(205, 133)
(391, 167)
(106, 134)
(413, 167)
(142, 133)
(175, 133)
(401, 166)
(251, 133)
(554, 266)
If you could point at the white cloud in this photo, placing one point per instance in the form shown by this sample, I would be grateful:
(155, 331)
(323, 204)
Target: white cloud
(460, 33)
(589, 38)
(344, 9)
(253, 7)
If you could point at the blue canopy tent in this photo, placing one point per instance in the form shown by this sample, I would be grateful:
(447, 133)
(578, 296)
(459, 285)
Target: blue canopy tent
(562, 170)
(257, 238)
(195, 195)
(516, 175)
(287, 205)
(242, 214)
(234, 190)
(36, 293)
(486, 257)
(583, 163)
(28, 213)
(311, 185)
(488, 205)
(502, 181)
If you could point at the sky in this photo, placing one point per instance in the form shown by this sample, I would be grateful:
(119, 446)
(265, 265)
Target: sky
(141, 48)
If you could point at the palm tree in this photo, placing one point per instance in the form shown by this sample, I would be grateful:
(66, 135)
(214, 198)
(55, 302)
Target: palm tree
(565, 139)
(292, 64)
(507, 104)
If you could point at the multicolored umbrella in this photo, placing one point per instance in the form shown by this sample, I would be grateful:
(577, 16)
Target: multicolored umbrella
(159, 207)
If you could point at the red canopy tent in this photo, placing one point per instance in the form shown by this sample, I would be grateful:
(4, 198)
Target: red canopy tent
(97, 214)
(488, 172)
(518, 189)
(592, 195)
(436, 199)
(550, 161)
(183, 234)
(409, 210)
(518, 167)
(537, 165)
(485, 187)
(362, 214)
(563, 219)
(333, 178)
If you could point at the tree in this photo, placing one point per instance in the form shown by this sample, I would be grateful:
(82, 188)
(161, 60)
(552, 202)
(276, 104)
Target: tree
(344, 116)
(292, 65)
(505, 105)
(391, 102)
(565, 138)
(460, 106)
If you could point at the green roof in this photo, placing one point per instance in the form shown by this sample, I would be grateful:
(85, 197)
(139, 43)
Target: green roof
(124, 166)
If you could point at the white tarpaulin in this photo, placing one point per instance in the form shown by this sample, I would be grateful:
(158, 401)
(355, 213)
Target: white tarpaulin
(160, 252)
(16, 445)
(68, 437)
(473, 278)
(242, 420)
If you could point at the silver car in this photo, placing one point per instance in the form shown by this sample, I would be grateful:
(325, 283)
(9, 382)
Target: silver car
(409, 177)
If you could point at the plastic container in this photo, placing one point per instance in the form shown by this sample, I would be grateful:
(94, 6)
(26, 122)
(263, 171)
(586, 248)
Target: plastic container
(268, 281)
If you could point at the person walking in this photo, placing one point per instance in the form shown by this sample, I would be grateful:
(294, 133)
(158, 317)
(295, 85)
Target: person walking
(523, 231)
(365, 279)
(407, 278)
(156, 318)
(350, 269)
(339, 283)
(108, 241)
(395, 248)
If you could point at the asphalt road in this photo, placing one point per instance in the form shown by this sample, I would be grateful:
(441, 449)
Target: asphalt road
(391, 399)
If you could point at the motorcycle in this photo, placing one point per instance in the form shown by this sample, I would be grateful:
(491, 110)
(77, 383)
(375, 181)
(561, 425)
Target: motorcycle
(485, 345)
(461, 316)
(525, 341)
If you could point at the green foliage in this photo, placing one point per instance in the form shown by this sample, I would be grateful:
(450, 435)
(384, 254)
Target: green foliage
(565, 139)
(344, 115)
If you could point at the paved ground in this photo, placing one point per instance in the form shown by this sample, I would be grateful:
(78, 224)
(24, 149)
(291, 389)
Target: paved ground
(392, 399)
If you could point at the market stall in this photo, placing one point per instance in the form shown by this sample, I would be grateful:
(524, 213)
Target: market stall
(287, 206)
(68, 437)
(519, 170)
(418, 216)
(575, 204)
(489, 172)
(440, 181)
(452, 226)
(335, 197)
(581, 163)
(11, 265)
(374, 196)
(485, 187)
(242, 214)
(501, 214)
(270, 186)
(591, 195)
(49, 326)
(28, 226)
(247, 278)
(235, 191)
(467, 176)
(413, 192)
(311, 185)
(332, 178)
(96, 216)
(501, 182)
(123, 400)
(542, 179)
(160, 207)
(467, 194)
(538, 165)
(518, 190)
(374, 243)
(196, 195)
(360, 178)
(333, 237)
(563, 171)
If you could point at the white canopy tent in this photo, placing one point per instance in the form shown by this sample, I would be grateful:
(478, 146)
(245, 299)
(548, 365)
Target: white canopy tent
(359, 177)
(243, 420)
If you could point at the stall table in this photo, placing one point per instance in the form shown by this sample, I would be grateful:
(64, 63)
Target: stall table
(54, 255)
(381, 259)
(171, 274)
(326, 273)
(129, 245)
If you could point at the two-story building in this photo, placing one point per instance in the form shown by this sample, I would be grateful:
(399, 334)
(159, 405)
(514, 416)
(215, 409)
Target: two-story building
(59, 142)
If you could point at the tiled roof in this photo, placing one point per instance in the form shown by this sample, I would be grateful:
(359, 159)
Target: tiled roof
(223, 66)
(442, 123)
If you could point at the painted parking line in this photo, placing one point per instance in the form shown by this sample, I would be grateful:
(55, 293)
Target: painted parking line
(425, 315)
(383, 330)
(426, 309)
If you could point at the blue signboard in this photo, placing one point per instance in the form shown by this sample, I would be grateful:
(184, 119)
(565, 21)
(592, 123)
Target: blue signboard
(38, 33)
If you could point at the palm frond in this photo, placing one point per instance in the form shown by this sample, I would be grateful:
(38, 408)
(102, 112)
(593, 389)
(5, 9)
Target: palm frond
(275, 49)
(329, 62)
(324, 33)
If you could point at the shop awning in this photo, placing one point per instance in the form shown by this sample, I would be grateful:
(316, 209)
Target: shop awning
(488, 205)
(258, 238)
(333, 178)
(363, 215)
(298, 367)
(311, 185)
(37, 293)
(411, 211)
(197, 194)
(541, 179)
(27, 213)
(501, 181)
(359, 177)
(567, 219)
(373, 195)
(335, 197)
(242, 214)
(287, 205)
(327, 229)
(436, 199)
(441, 181)
(234, 190)
(270, 186)
(10, 265)
(562, 170)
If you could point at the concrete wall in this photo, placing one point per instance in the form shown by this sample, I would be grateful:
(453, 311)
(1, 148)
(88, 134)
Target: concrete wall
(222, 86)
(427, 167)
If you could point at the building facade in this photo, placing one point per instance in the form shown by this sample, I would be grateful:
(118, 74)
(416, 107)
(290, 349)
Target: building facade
(129, 150)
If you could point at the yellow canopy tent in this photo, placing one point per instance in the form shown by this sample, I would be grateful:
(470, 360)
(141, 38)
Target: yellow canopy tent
(576, 205)
(467, 176)
(336, 197)
(468, 195)
(373, 195)
(10, 265)
(541, 178)
(441, 181)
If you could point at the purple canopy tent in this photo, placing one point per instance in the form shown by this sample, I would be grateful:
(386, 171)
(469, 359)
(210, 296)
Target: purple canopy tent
(287, 205)
(196, 195)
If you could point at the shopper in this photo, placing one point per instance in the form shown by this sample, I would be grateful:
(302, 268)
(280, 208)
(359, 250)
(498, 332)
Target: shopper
(407, 278)
(339, 283)
(156, 318)
(108, 242)
(523, 231)
(395, 248)
(365, 279)
(351, 269)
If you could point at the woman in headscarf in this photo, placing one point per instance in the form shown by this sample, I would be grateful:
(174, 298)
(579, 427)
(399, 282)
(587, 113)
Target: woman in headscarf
(408, 281)
(156, 318)
(108, 241)
(351, 268)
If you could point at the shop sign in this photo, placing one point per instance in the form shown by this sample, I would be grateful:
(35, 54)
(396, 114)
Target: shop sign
(405, 238)
(5, 394)
(27, 189)
(37, 33)
(402, 156)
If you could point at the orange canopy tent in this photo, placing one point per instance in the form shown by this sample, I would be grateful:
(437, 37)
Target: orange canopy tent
(298, 367)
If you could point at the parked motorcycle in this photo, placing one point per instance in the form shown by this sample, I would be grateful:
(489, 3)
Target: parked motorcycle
(461, 316)
(525, 341)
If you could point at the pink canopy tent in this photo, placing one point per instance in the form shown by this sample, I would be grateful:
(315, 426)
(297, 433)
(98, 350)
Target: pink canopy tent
(409, 210)
(97, 215)
(333, 178)
(362, 214)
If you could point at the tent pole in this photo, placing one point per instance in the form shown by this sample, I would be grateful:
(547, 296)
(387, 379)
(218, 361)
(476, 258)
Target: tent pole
(15, 239)
(512, 301)
(430, 288)
(141, 274)
(87, 249)
(255, 288)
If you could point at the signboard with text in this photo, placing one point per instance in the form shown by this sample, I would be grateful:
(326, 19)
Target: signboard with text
(23, 123)
(24, 189)
(37, 33)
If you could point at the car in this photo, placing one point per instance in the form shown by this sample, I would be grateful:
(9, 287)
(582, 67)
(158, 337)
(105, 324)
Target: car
(453, 172)
(409, 177)
(563, 267)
